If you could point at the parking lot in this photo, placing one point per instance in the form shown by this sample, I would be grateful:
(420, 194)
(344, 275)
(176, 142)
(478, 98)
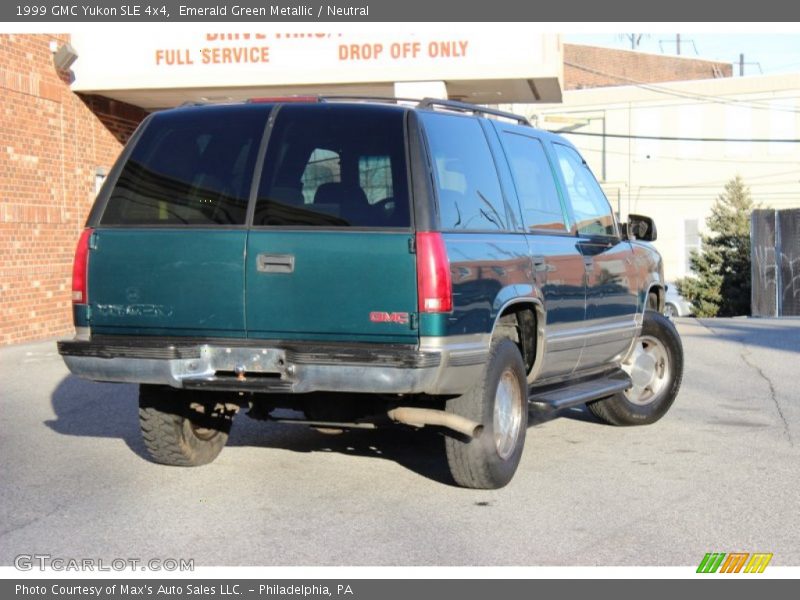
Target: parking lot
(718, 473)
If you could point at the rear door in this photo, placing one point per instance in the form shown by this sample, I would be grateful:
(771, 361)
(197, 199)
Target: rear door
(167, 255)
(611, 276)
(558, 266)
(330, 251)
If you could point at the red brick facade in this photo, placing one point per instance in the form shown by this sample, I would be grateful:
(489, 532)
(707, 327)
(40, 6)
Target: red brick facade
(51, 143)
(592, 66)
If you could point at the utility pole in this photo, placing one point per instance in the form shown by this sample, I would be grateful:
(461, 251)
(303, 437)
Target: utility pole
(678, 43)
(741, 65)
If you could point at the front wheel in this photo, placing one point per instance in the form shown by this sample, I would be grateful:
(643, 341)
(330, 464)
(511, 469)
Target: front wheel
(500, 403)
(655, 367)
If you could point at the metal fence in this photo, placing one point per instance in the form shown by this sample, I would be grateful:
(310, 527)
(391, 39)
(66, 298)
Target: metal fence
(775, 258)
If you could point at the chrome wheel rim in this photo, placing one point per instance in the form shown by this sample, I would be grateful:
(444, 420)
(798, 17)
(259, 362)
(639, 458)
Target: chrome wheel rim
(649, 370)
(507, 414)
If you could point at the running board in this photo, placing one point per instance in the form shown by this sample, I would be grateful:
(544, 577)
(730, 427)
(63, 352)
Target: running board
(580, 392)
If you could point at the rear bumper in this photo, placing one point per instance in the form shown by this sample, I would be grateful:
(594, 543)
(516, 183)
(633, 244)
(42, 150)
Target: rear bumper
(436, 366)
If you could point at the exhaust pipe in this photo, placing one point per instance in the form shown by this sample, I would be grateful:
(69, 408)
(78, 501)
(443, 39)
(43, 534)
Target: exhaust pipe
(419, 417)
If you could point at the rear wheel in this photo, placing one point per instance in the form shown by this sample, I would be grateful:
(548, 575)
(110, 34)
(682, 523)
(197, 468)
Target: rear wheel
(182, 428)
(500, 403)
(655, 367)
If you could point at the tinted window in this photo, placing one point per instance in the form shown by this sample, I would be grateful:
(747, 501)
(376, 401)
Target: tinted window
(538, 195)
(190, 167)
(335, 166)
(375, 177)
(324, 166)
(466, 178)
(590, 207)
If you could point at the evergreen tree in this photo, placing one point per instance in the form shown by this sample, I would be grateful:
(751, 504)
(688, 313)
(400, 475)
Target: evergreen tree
(721, 282)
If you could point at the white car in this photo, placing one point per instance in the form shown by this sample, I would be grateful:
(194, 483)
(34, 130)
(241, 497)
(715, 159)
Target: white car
(676, 305)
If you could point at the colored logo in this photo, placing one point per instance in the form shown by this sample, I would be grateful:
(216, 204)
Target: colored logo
(734, 562)
(385, 317)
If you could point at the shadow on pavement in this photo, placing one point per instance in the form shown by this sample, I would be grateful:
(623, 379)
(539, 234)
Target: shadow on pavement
(421, 452)
(104, 410)
(87, 409)
(777, 334)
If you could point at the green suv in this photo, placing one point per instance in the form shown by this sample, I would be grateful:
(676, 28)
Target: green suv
(366, 263)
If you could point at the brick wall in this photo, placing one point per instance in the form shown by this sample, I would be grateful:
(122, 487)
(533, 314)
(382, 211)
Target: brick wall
(51, 143)
(592, 66)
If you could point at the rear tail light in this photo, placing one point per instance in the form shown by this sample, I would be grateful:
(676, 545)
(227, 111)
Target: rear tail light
(434, 286)
(80, 269)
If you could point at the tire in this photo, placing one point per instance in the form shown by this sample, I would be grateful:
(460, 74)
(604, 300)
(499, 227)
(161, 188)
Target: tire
(489, 460)
(180, 428)
(658, 353)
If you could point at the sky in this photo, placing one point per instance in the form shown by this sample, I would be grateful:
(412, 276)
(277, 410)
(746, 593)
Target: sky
(763, 53)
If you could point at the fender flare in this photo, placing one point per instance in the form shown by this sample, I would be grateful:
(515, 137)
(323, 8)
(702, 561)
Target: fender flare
(535, 302)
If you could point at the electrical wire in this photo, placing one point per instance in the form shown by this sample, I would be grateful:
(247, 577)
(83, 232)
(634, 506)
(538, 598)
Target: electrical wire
(697, 158)
(686, 95)
(666, 138)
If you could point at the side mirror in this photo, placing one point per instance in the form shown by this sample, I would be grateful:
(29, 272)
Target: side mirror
(640, 227)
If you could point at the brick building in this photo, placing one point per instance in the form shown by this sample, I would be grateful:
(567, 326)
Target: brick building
(593, 66)
(51, 144)
(55, 143)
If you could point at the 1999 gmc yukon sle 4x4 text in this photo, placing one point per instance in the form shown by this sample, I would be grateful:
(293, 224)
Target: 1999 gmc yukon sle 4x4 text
(366, 263)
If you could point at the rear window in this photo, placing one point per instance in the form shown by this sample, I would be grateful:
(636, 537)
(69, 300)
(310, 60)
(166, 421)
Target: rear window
(190, 167)
(335, 166)
(468, 188)
(536, 189)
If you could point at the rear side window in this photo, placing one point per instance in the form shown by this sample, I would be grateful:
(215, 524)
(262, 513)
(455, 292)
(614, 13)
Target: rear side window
(335, 166)
(536, 188)
(468, 187)
(191, 167)
(590, 207)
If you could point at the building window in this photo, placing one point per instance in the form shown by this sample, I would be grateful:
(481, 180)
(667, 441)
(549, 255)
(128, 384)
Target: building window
(738, 126)
(782, 125)
(691, 126)
(691, 241)
(647, 123)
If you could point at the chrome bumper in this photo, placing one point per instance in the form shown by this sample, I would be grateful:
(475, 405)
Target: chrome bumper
(437, 366)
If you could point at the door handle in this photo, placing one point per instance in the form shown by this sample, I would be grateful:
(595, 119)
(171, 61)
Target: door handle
(275, 263)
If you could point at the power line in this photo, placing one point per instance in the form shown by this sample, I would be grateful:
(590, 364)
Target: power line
(665, 138)
(625, 105)
(686, 95)
(696, 158)
(716, 183)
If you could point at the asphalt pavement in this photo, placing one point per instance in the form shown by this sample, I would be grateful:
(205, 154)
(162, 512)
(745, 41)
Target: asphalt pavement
(719, 473)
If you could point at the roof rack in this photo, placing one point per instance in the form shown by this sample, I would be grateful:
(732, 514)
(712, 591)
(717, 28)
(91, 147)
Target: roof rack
(430, 103)
(472, 108)
(376, 99)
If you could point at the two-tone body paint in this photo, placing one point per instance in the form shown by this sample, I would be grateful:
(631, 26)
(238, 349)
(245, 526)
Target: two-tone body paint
(205, 282)
(589, 291)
